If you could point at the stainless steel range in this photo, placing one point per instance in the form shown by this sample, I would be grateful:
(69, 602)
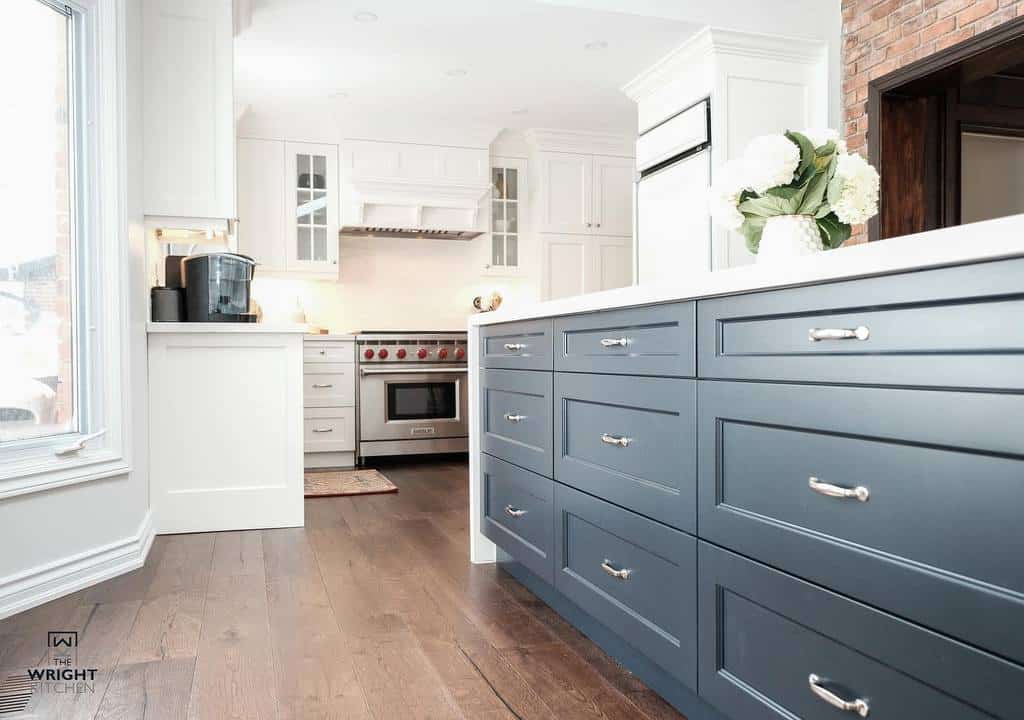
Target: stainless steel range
(413, 396)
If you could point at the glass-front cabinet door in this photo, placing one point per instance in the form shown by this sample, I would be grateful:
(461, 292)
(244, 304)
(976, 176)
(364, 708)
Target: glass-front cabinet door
(311, 228)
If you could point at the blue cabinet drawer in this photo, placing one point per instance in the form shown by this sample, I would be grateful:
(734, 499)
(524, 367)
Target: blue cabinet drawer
(630, 440)
(937, 525)
(517, 346)
(957, 327)
(515, 417)
(656, 340)
(766, 638)
(517, 513)
(631, 574)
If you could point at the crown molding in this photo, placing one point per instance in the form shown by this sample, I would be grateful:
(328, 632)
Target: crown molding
(580, 141)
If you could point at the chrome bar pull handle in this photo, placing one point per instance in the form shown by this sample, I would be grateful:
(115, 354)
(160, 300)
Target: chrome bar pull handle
(513, 511)
(616, 440)
(822, 488)
(513, 347)
(617, 573)
(859, 706)
(323, 430)
(320, 386)
(514, 418)
(614, 342)
(858, 333)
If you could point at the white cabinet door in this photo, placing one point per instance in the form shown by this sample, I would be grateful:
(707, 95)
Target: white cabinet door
(612, 262)
(566, 184)
(261, 203)
(188, 109)
(311, 202)
(565, 265)
(613, 196)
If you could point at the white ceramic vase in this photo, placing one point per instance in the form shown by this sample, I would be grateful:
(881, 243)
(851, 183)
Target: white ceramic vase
(788, 236)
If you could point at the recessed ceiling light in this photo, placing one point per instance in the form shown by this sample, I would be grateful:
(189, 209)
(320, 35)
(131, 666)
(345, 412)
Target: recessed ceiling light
(596, 45)
(456, 72)
(365, 16)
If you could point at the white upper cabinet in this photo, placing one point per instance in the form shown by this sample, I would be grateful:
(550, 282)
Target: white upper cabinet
(383, 160)
(575, 264)
(188, 111)
(261, 203)
(566, 192)
(311, 214)
(613, 196)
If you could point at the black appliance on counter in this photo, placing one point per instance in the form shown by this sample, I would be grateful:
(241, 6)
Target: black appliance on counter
(217, 287)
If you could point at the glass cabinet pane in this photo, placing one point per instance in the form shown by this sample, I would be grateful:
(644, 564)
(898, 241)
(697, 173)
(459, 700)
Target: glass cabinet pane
(497, 250)
(319, 172)
(320, 244)
(497, 183)
(302, 178)
(511, 184)
(319, 208)
(498, 215)
(511, 217)
(303, 200)
(303, 242)
(512, 250)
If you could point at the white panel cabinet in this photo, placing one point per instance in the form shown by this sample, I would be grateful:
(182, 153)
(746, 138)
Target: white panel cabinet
(311, 216)
(261, 203)
(188, 111)
(577, 264)
(329, 401)
(612, 211)
(587, 194)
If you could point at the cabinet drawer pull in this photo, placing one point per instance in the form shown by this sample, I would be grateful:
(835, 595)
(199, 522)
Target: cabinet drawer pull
(620, 574)
(858, 333)
(860, 492)
(513, 347)
(614, 342)
(323, 430)
(514, 418)
(321, 386)
(859, 706)
(323, 352)
(514, 511)
(613, 440)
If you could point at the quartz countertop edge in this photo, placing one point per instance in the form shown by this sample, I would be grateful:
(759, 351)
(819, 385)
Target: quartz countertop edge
(976, 242)
(218, 328)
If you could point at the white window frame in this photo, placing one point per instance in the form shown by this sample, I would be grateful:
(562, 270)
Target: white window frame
(521, 166)
(101, 252)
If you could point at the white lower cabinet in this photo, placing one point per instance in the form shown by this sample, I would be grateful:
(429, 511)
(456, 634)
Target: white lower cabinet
(578, 264)
(329, 401)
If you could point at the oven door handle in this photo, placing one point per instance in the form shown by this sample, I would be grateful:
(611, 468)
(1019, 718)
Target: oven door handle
(411, 371)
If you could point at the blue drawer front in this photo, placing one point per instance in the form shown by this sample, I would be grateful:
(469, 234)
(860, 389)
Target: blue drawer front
(940, 528)
(657, 340)
(517, 512)
(517, 346)
(653, 607)
(515, 417)
(959, 327)
(629, 440)
(764, 633)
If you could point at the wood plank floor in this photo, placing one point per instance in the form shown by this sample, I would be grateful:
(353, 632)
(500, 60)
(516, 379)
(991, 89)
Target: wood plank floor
(371, 611)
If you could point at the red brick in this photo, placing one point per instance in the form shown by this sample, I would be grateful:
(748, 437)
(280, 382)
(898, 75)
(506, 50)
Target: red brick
(976, 11)
(955, 37)
(903, 45)
(938, 29)
(952, 7)
(886, 38)
(884, 9)
(996, 18)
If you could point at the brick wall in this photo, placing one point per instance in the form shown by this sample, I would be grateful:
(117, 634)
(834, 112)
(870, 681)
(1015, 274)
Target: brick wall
(880, 36)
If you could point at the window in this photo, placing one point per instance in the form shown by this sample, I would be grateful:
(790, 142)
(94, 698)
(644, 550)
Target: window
(39, 390)
(506, 212)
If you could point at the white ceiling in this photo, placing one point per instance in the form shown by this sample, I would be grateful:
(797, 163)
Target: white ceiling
(525, 61)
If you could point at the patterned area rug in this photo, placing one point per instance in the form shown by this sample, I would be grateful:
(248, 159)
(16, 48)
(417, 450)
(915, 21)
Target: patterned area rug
(347, 482)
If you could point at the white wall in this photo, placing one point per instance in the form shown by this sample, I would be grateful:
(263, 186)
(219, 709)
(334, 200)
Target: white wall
(59, 541)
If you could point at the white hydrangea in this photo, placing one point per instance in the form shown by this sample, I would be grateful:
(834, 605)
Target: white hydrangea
(823, 136)
(724, 196)
(770, 161)
(858, 196)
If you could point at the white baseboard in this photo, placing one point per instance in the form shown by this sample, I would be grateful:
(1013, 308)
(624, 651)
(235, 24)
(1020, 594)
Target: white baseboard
(47, 582)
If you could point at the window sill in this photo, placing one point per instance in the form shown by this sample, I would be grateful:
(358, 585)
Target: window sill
(39, 474)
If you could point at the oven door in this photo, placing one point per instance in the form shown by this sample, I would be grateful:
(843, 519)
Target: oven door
(405, 404)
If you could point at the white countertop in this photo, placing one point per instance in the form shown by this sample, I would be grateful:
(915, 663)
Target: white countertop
(330, 337)
(990, 240)
(224, 327)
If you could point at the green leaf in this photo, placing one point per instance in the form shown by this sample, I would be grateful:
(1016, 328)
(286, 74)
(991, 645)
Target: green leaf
(835, 190)
(814, 197)
(768, 206)
(833, 232)
(751, 230)
(825, 155)
(806, 150)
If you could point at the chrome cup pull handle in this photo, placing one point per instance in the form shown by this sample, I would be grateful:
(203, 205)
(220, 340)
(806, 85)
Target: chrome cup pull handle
(323, 430)
(822, 488)
(859, 706)
(614, 342)
(513, 418)
(320, 386)
(858, 333)
(616, 440)
(513, 511)
(513, 347)
(617, 573)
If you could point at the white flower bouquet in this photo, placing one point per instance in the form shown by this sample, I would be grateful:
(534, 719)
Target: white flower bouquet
(804, 174)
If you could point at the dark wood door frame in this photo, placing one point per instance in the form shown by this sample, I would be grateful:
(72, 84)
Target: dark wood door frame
(919, 69)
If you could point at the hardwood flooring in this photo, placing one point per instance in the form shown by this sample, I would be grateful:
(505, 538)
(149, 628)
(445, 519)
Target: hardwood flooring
(371, 611)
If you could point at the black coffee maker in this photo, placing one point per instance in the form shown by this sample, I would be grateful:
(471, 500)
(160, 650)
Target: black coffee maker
(217, 287)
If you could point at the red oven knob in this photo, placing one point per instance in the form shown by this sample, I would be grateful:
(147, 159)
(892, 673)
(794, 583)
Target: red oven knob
(442, 353)
(401, 353)
(421, 353)
(368, 353)
(460, 353)
(382, 353)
